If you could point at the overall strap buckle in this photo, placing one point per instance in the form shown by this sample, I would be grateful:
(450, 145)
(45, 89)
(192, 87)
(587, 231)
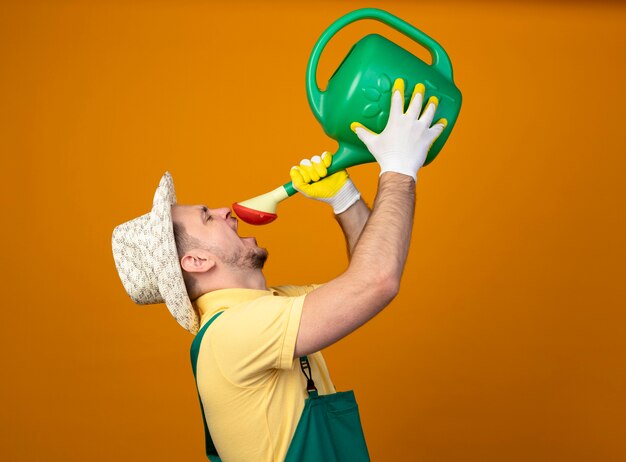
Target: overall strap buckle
(306, 370)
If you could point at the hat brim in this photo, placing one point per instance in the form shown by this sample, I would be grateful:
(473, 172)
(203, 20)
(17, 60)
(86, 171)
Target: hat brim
(169, 276)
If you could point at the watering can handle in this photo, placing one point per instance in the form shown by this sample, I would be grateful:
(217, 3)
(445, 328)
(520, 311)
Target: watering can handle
(441, 62)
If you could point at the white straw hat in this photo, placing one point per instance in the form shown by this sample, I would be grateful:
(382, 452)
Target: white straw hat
(147, 262)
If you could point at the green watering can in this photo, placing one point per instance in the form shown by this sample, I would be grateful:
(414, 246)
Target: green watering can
(360, 91)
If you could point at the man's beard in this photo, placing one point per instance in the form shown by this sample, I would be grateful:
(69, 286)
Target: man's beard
(255, 258)
(252, 258)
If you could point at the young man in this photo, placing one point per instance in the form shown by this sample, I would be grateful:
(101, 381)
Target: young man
(251, 388)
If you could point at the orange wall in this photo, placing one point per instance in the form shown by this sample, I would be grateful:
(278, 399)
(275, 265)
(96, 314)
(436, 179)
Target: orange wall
(507, 340)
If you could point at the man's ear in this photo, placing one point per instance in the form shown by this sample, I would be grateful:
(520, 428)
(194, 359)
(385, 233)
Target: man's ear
(197, 261)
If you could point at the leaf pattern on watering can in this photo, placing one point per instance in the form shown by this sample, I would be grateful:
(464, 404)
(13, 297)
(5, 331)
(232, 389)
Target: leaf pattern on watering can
(371, 110)
(379, 98)
(372, 94)
(384, 82)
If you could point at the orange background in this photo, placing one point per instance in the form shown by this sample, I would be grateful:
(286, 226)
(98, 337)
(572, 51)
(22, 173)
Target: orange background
(507, 340)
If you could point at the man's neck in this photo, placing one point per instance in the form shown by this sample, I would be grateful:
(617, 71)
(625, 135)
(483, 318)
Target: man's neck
(239, 279)
(250, 279)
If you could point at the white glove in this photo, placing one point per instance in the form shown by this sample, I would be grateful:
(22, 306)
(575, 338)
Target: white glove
(404, 143)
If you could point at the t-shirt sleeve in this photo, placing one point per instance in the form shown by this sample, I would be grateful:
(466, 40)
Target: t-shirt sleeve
(252, 340)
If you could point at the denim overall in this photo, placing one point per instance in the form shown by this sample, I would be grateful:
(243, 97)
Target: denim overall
(329, 428)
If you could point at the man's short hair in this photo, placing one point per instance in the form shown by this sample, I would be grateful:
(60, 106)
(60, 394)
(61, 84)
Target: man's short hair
(185, 242)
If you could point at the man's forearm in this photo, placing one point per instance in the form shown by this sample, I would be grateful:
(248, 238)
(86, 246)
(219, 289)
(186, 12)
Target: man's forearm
(352, 222)
(384, 243)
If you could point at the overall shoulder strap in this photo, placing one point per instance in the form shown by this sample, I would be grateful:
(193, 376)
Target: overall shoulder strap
(195, 345)
(211, 452)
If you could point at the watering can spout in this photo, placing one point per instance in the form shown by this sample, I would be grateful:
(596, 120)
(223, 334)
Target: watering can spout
(261, 210)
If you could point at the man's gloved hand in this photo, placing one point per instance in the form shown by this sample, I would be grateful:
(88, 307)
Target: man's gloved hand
(404, 143)
(310, 179)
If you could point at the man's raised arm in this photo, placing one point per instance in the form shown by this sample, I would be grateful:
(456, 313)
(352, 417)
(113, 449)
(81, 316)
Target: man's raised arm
(372, 279)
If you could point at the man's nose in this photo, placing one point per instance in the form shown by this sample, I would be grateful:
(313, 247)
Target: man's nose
(223, 213)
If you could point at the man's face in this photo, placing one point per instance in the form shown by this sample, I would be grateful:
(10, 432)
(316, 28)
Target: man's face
(216, 230)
